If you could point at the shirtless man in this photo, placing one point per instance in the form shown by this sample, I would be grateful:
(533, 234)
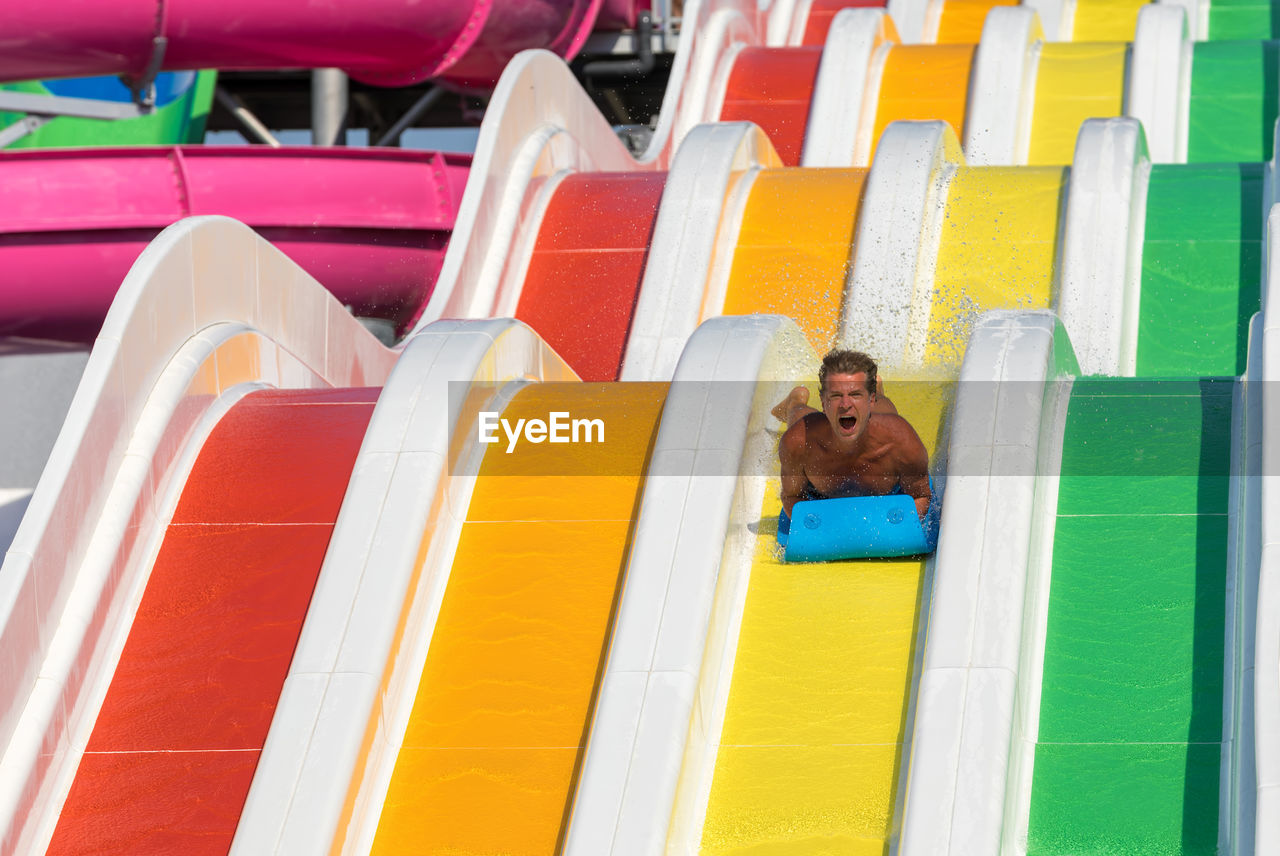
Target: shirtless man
(857, 445)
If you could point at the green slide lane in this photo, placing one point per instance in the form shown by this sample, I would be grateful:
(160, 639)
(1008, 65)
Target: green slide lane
(1201, 268)
(1243, 19)
(1130, 728)
(1233, 101)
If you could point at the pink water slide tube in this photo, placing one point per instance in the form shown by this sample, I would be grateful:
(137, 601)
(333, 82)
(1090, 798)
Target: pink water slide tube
(370, 224)
(383, 42)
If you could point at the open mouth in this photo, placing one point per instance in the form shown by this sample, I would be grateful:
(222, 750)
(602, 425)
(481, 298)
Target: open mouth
(847, 422)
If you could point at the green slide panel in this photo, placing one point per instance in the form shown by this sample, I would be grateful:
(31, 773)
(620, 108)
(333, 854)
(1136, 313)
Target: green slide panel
(1244, 19)
(1201, 269)
(1234, 96)
(1131, 724)
(179, 121)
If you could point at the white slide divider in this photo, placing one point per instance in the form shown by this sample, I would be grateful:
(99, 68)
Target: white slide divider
(1158, 83)
(1197, 12)
(1058, 17)
(540, 126)
(785, 22)
(846, 91)
(897, 243)
(207, 306)
(1270, 196)
(540, 123)
(1237, 781)
(910, 16)
(965, 706)
(1267, 637)
(713, 160)
(1100, 276)
(351, 684)
(671, 656)
(1002, 88)
(712, 34)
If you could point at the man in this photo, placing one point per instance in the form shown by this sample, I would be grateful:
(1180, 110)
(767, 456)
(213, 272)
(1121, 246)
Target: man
(857, 445)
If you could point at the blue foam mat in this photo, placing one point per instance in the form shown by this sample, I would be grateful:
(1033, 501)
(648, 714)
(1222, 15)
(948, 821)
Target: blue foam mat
(858, 527)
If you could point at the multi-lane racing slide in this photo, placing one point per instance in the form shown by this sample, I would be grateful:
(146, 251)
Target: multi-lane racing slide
(397, 689)
(1028, 269)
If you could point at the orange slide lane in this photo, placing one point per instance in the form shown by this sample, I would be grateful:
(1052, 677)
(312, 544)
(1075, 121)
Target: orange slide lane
(495, 737)
(793, 251)
(168, 765)
(924, 82)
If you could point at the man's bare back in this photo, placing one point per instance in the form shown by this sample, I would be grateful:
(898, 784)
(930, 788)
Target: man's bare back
(857, 445)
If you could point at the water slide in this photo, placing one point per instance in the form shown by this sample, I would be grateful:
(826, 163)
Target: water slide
(387, 42)
(1031, 259)
(557, 176)
(373, 223)
(764, 183)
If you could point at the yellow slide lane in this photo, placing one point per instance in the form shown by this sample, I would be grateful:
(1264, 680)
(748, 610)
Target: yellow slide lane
(812, 737)
(813, 732)
(1074, 82)
(792, 256)
(500, 718)
(1106, 20)
(997, 247)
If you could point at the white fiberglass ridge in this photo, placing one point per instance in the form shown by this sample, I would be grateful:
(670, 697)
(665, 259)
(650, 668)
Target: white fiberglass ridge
(691, 558)
(1158, 86)
(844, 101)
(683, 248)
(965, 706)
(890, 295)
(1100, 279)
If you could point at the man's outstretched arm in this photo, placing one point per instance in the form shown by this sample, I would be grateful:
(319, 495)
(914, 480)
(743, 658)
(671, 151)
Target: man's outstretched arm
(913, 468)
(791, 455)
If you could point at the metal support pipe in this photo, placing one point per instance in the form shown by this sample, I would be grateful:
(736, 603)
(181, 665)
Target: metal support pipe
(422, 105)
(329, 91)
(245, 117)
(21, 128)
(638, 67)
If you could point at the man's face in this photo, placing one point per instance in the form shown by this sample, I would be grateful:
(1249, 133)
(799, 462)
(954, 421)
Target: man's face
(847, 404)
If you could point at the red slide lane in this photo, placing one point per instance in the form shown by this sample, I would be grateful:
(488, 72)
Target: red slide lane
(168, 766)
(773, 88)
(823, 12)
(584, 276)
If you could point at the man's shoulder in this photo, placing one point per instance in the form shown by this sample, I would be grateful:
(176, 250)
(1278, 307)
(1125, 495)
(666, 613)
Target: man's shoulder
(803, 431)
(901, 437)
(892, 423)
(898, 432)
